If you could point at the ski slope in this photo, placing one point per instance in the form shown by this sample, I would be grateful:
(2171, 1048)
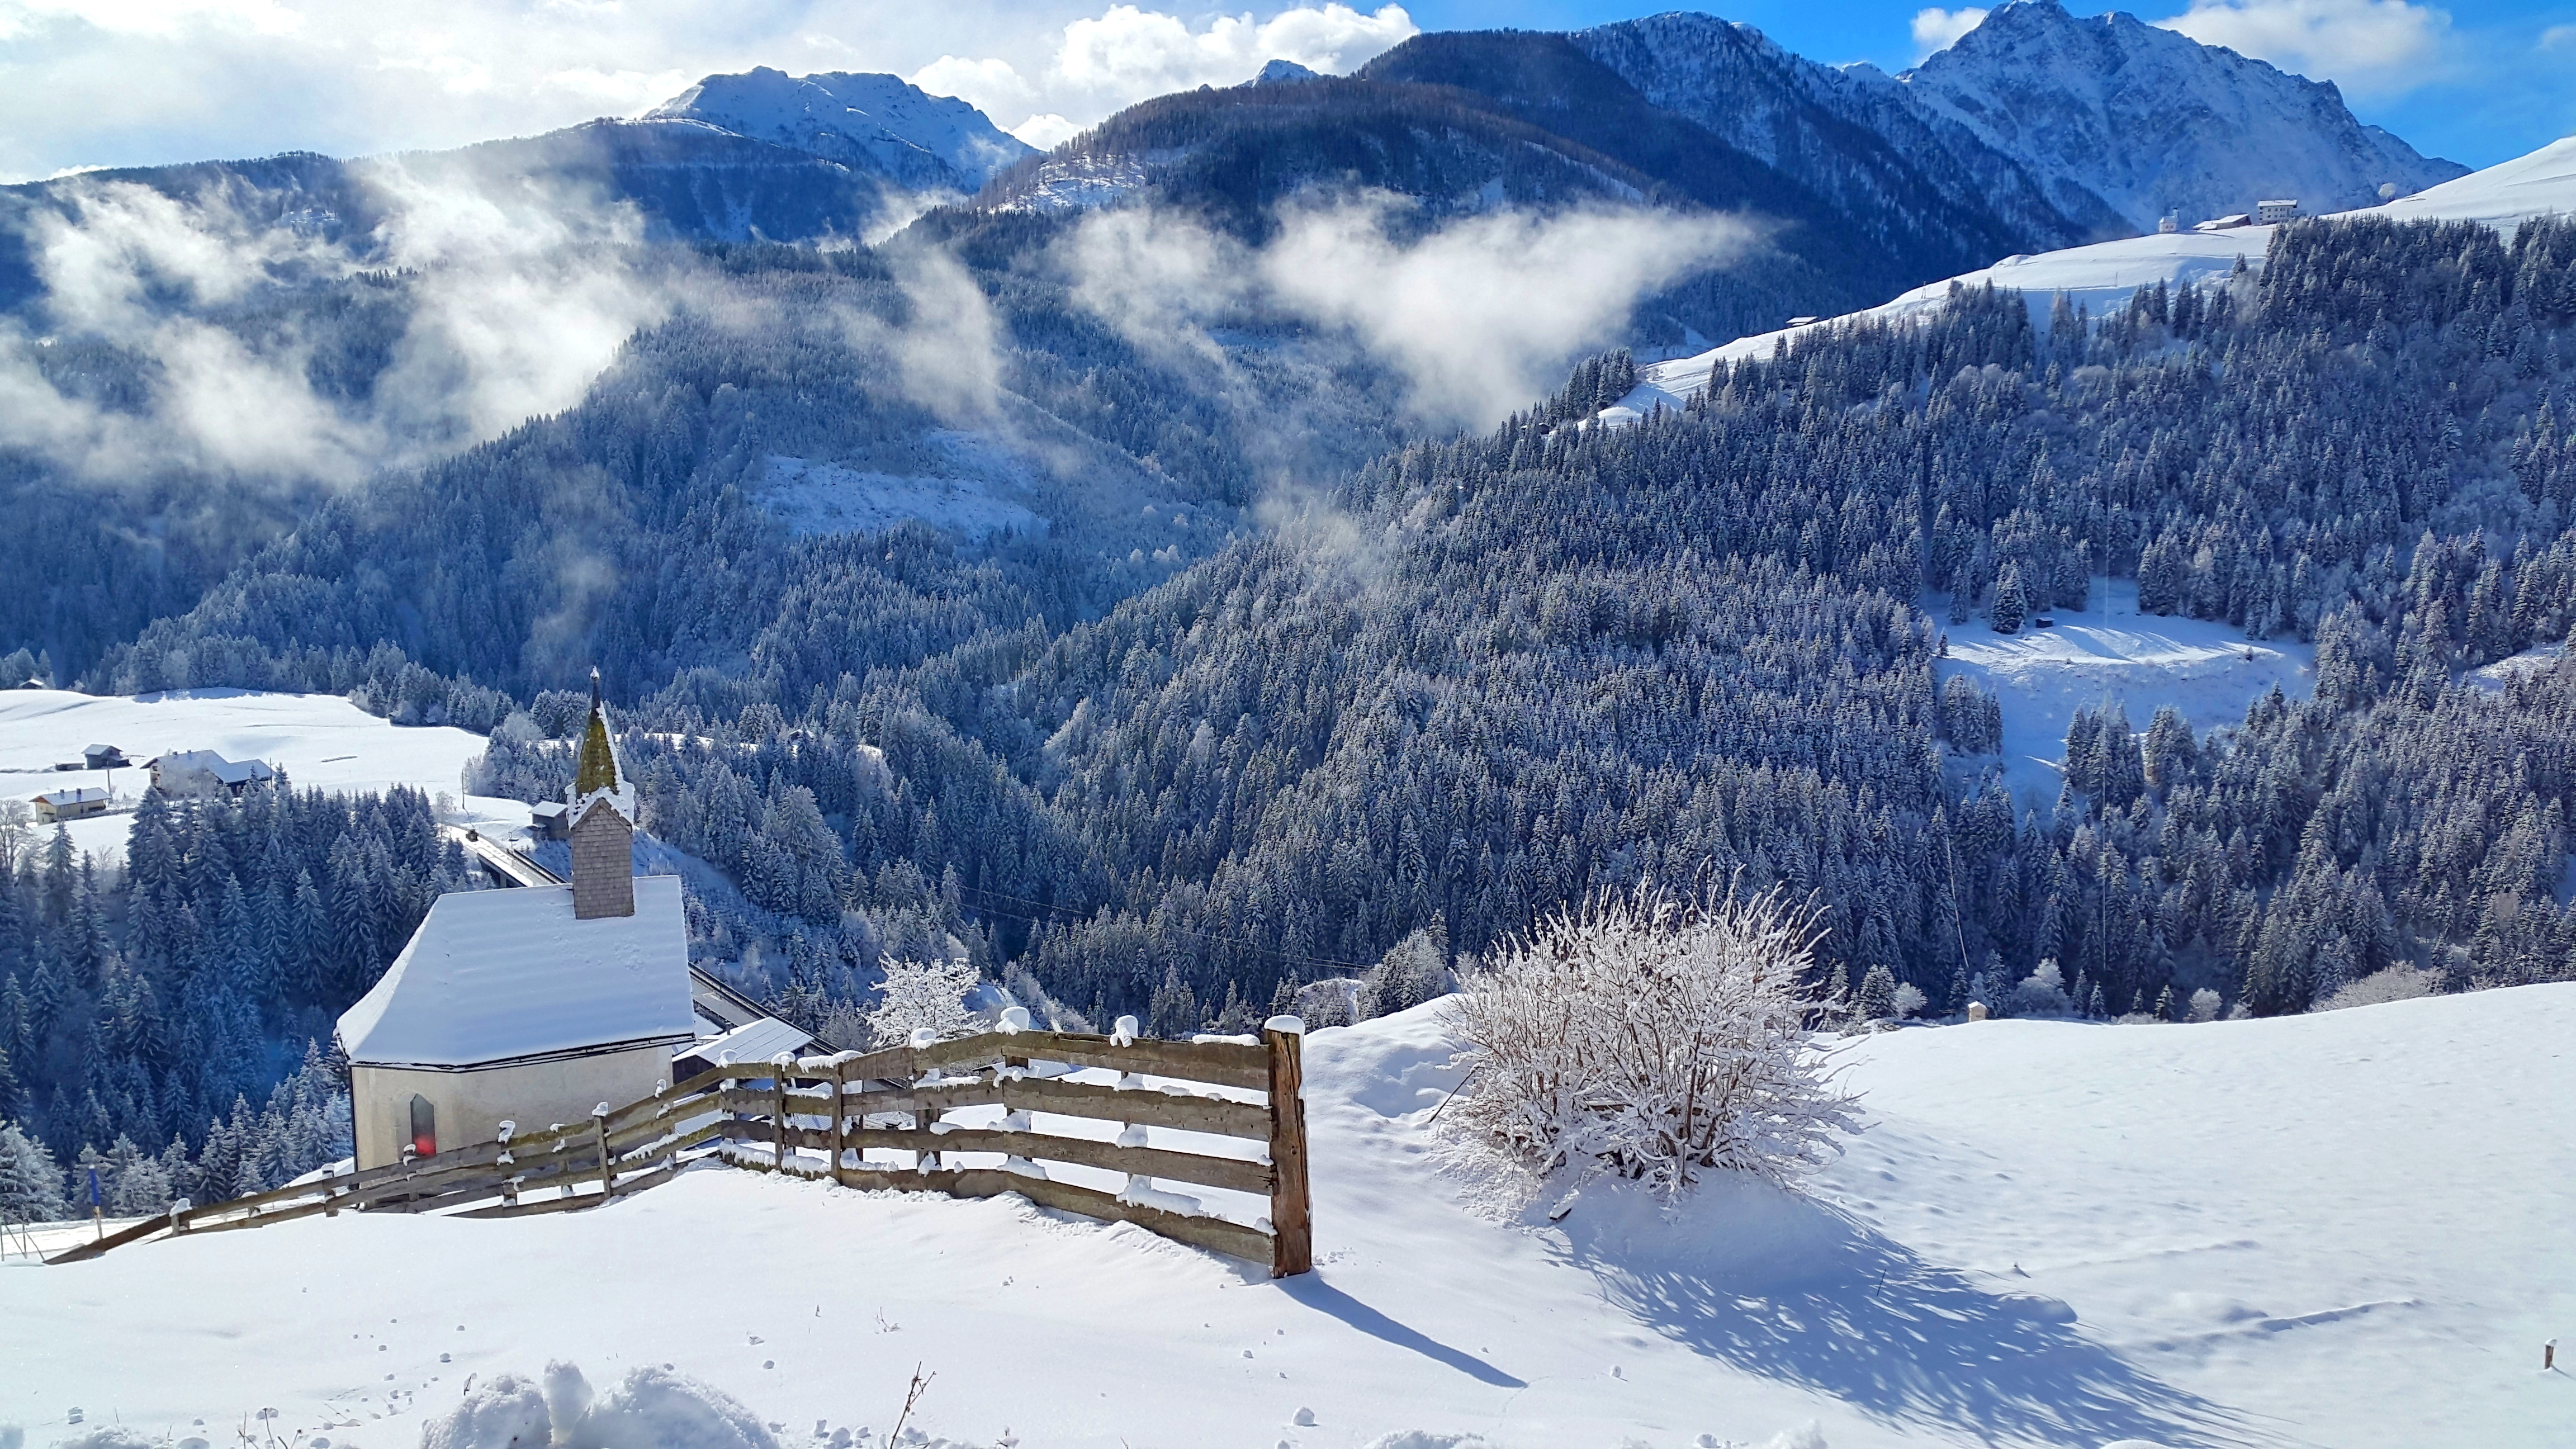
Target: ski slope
(322, 741)
(2345, 1229)
(2206, 669)
(2104, 275)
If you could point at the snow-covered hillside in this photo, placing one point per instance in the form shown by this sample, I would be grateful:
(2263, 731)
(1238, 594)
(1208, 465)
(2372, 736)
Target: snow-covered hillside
(2104, 275)
(2152, 121)
(876, 123)
(2111, 654)
(322, 742)
(2343, 1229)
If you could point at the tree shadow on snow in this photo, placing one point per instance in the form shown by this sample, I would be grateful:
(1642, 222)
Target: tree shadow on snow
(1781, 1285)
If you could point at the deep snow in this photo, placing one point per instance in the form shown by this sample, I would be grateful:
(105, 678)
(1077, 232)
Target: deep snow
(322, 742)
(2345, 1229)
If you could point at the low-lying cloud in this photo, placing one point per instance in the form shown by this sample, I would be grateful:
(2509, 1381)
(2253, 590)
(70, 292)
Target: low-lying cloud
(1477, 317)
(515, 299)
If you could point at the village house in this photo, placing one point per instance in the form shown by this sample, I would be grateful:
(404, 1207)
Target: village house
(532, 1005)
(2273, 213)
(57, 806)
(203, 774)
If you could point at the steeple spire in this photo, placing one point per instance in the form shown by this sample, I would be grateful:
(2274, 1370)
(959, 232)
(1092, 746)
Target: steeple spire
(603, 821)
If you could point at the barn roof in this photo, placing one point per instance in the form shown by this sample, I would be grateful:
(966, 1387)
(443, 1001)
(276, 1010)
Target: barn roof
(760, 1041)
(498, 976)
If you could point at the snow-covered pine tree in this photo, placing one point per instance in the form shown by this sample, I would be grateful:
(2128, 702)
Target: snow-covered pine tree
(31, 1184)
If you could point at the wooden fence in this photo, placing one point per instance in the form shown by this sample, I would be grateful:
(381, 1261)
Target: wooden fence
(822, 1117)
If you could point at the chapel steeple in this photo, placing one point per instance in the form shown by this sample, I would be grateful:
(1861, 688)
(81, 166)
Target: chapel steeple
(602, 805)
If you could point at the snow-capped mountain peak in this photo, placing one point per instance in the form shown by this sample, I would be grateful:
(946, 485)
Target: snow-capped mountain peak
(877, 123)
(2153, 122)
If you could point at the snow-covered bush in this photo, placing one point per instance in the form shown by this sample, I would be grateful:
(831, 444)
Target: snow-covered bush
(1649, 1038)
(921, 994)
(1412, 972)
(652, 1409)
(2396, 983)
(2204, 1005)
(1908, 1000)
(2042, 993)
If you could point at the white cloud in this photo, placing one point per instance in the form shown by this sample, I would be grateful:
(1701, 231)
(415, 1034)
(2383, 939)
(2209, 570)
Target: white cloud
(2382, 46)
(1938, 29)
(1131, 53)
(1126, 54)
(139, 82)
(1046, 132)
(518, 300)
(1479, 316)
(2558, 37)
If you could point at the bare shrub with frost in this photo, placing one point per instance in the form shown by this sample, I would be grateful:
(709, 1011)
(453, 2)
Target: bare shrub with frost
(1653, 1039)
(2395, 983)
(919, 994)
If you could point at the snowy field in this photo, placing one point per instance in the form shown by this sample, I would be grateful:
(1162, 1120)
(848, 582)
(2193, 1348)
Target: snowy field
(2345, 1229)
(2103, 275)
(320, 740)
(2207, 670)
(826, 498)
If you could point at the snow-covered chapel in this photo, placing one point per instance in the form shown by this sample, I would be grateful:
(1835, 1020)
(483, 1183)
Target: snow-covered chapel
(533, 1005)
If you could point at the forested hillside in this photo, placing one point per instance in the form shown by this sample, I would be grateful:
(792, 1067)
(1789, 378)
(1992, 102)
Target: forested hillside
(150, 1007)
(1395, 719)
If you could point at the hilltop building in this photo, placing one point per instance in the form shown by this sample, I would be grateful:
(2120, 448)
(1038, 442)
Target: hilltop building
(532, 1005)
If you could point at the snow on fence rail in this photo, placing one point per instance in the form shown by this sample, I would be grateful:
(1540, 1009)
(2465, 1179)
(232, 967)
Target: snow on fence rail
(843, 1107)
(851, 1104)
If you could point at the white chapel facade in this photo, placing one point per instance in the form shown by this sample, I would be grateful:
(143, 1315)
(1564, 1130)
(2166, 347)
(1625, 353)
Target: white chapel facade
(533, 1005)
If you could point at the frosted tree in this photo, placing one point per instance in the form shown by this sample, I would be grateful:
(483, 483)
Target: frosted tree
(1652, 1039)
(31, 1186)
(919, 994)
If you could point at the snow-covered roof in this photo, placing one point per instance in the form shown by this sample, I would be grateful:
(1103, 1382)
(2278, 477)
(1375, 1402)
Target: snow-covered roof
(506, 975)
(230, 772)
(82, 796)
(759, 1041)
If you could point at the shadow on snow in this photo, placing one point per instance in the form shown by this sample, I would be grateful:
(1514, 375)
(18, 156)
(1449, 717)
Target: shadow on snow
(1778, 1284)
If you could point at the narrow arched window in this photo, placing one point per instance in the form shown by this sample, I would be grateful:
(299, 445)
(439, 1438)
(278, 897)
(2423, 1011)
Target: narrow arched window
(424, 1127)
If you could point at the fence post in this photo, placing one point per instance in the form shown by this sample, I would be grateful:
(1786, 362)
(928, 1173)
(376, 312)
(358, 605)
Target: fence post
(778, 1066)
(1292, 1226)
(607, 1164)
(838, 1107)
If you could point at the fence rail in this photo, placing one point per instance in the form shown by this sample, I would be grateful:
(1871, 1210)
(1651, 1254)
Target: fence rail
(846, 1106)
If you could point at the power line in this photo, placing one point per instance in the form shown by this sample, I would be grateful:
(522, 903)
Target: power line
(1077, 917)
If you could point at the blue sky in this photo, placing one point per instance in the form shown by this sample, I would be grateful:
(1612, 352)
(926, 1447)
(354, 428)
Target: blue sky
(130, 82)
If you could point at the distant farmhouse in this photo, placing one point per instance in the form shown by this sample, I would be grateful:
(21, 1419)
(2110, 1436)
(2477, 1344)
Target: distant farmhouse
(203, 774)
(57, 806)
(2272, 213)
(533, 1005)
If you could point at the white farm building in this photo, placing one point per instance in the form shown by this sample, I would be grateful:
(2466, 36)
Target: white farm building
(533, 1005)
